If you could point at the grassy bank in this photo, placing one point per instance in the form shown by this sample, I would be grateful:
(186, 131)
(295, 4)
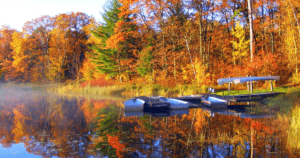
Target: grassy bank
(283, 89)
(281, 104)
(114, 90)
(129, 90)
(286, 108)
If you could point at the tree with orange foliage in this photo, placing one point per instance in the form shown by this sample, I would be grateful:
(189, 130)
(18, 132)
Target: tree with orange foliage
(6, 34)
(68, 43)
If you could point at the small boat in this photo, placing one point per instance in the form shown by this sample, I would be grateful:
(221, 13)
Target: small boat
(213, 101)
(134, 104)
(176, 103)
(154, 104)
(194, 99)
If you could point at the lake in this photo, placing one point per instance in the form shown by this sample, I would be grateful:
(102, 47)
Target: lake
(40, 124)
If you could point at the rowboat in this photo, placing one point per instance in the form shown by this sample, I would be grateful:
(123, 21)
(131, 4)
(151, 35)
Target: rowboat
(176, 103)
(134, 104)
(154, 104)
(213, 101)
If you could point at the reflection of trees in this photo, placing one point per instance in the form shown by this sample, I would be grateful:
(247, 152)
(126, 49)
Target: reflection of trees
(48, 127)
(6, 119)
(198, 135)
(106, 127)
(59, 127)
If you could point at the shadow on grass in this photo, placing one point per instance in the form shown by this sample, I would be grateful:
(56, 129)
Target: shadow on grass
(281, 104)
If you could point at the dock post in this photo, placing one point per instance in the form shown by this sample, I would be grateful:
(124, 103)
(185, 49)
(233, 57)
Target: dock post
(229, 85)
(248, 87)
(150, 102)
(271, 83)
(257, 86)
(181, 93)
(251, 86)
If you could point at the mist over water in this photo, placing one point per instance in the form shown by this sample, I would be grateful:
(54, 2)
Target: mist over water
(16, 94)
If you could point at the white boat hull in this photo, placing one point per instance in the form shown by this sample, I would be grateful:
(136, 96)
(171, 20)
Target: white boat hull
(175, 103)
(134, 105)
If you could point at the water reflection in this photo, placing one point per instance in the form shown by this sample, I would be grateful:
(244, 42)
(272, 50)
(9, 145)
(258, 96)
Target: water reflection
(157, 113)
(50, 126)
(63, 127)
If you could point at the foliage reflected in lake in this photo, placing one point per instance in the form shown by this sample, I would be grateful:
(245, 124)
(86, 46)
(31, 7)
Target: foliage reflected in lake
(62, 127)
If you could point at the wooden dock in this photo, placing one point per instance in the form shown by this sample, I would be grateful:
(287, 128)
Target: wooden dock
(245, 97)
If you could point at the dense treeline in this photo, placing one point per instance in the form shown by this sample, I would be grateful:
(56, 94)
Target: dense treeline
(164, 42)
(48, 48)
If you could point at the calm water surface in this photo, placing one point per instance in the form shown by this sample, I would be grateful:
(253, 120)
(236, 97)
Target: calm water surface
(35, 124)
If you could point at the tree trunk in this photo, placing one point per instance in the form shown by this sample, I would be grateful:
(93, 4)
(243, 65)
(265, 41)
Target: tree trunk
(200, 35)
(251, 29)
(295, 17)
(119, 66)
(191, 60)
(298, 28)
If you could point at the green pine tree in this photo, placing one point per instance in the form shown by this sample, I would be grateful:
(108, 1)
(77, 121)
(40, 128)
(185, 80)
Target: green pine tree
(145, 65)
(106, 58)
(111, 61)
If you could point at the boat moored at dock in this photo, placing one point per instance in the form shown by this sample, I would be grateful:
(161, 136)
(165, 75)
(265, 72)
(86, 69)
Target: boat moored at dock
(153, 103)
(213, 101)
(134, 104)
(176, 103)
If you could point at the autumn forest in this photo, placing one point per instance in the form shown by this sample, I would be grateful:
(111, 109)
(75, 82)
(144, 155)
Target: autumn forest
(158, 41)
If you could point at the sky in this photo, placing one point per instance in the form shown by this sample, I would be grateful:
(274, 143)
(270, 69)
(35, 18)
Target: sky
(16, 12)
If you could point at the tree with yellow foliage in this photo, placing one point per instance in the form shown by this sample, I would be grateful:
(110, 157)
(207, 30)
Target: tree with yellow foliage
(240, 45)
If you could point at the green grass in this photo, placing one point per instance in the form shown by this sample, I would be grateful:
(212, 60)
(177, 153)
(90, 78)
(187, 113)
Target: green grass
(128, 90)
(283, 89)
(281, 104)
(294, 129)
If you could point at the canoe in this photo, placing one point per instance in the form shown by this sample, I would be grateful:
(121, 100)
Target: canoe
(237, 80)
(134, 104)
(175, 103)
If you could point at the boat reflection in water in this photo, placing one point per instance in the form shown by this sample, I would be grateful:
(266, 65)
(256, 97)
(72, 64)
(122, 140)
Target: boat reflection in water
(237, 110)
(157, 113)
(203, 132)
